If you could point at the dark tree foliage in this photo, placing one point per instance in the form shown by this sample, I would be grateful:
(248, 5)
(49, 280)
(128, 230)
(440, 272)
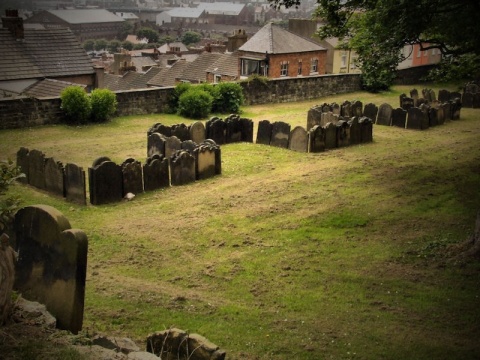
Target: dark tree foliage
(146, 33)
(378, 29)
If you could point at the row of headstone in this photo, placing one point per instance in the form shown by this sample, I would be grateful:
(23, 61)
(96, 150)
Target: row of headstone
(231, 130)
(319, 138)
(109, 182)
(47, 174)
(471, 96)
(325, 113)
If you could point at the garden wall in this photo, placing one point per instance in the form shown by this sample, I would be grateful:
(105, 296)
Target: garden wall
(28, 112)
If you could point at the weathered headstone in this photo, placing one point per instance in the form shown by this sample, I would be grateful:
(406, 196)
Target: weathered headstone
(399, 117)
(455, 107)
(182, 168)
(329, 117)
(314, 116)
(433, 116)
(336, 109)
(440, 115)
(156, 144)
(443, 95)
(52, 263)
(406, 102)
(161, 129)
(105, 183)
(415, 118)
(197, 132)
(355, 131)
(216, 130)
(384, 116)
(343, 134)
(204, 162)
(371, 111)
(357, 108)
(181, 132)
(280, 134)
(264, 132)
(233, 129)
(298, 139)
(189, 146)
(36, 169)
(366, 129)
(316, 137)
(326, 107)
(23, 163)
(330, 136)
(447, 110)
(346, 109)
(172, 144)
(75, 186)
(247, 130)
(414, 96)
(156, 173)
(54, 177)
(455, 95)
(132, 177)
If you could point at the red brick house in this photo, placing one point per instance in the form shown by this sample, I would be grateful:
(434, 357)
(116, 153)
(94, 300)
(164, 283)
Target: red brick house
(275, 53)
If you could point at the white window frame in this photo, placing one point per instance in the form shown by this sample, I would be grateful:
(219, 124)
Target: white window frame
(284, 68)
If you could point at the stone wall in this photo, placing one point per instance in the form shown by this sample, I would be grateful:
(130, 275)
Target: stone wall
(413, 75)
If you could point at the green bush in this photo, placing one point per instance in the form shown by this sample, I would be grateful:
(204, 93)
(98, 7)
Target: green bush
(228, 98)
(180, 88)
(76, 105)
(104, 104)
(195, 103)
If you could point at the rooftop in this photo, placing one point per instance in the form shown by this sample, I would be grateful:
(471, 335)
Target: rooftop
(86, 16)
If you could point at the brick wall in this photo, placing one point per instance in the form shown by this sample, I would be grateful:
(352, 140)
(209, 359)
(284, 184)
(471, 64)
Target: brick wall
(293, 60)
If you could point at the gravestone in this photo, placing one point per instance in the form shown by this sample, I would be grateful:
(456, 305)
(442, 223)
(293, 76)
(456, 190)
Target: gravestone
(182, 168)
(316, 137)
(23, 163)
(218, 155)
(216, 130)
(433, 116)
(346, 109)
(467, 100)
(233, 129)
(443, 95)
(132, 177)
(415, 118)
(371, 111)
(189, 146)
(36, 169)
(399, 117)
(355, 131)
(172, 144)
(326, 107)
(314, 116)
(343, 134)
(425, 120)
(105, 183)
(366, 129)
(330, 136)
(336, 109)
(329, 117)
(52, 263)
(156, 173)
(204, 162)
(181, 132)
(384, 116)
(357, 108)
(414, 96)
(440, 115)
(197, 132)
(280, 134)
(100, 160)
(406, 103)
(472, 88)
(298, 139)
(455, 95)
(429, 95)
(75, 186)
(161, 129)
(264, 132)
(247, 130)
(54, 177)
(455, 107)
(156, 144)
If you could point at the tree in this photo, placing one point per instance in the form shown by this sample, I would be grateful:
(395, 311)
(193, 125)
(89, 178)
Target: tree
(125, 29)
(191, 37)
(100, 44)
(127, 45)
(114, 46)
(167, 39)
(88, 45)
(378, 29)
(149, 34)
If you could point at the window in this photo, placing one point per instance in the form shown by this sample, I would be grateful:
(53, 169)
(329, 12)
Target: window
(314, 67)
(299, 67)
(217, 78)
(284, 68)
(343, 60)
(253, 66)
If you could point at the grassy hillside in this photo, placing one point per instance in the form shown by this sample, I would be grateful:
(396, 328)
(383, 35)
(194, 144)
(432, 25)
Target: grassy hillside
(350, 253)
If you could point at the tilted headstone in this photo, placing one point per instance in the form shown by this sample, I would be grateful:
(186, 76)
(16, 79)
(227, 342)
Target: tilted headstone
(414, 96)
(75, 185)
(156, 173)
(330, 136)
(280, 134)
(156, 144)
(132, 177)
(371, 110)
(54, 177)
(467, 100)
(264, 132)
(343, 134)
(23, 163)
(52, 263)
(314, 116)
(355, 131)
(399, 117)
(197, 132)
(181, 132)
(298, 139)
(182, 168)
(415, 118)
(105, 183)
(366, 129)
(384, 116)
(189, 146)
(204, 161)
(316, 137)
(172, 144)
(216, 130)
(357, 108)
(36, 169)
(443, 95)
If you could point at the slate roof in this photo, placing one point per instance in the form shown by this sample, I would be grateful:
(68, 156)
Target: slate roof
(167, 47)
(143, 61)
(185, 12)
(226, 64)
(196, 71)
(275, 40)
(43, 53)
(86, 16)
(48, 88)
(131, 80)
(168, 76)
(221, 8)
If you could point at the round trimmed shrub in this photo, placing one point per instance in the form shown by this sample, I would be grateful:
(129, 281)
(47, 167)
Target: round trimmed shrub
(180, 88)
(104, 104)
(76, 105)
(228, 98)
(195, 103)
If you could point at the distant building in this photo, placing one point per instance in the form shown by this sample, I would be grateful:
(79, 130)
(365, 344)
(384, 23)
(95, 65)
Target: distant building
(416, 57)
(182, 16)
(225, 13)
(84, 23)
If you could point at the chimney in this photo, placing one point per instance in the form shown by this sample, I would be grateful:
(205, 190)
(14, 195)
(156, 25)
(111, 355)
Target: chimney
(99, 77)
(13, 23)
(238, 38)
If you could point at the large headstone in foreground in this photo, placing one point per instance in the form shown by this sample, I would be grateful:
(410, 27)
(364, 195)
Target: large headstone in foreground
(52, 263)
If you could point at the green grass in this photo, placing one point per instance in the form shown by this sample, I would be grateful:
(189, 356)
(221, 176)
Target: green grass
(337, 255)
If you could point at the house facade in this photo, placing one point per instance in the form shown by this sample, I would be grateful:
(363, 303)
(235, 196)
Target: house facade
(275, 53)
(414, 56)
